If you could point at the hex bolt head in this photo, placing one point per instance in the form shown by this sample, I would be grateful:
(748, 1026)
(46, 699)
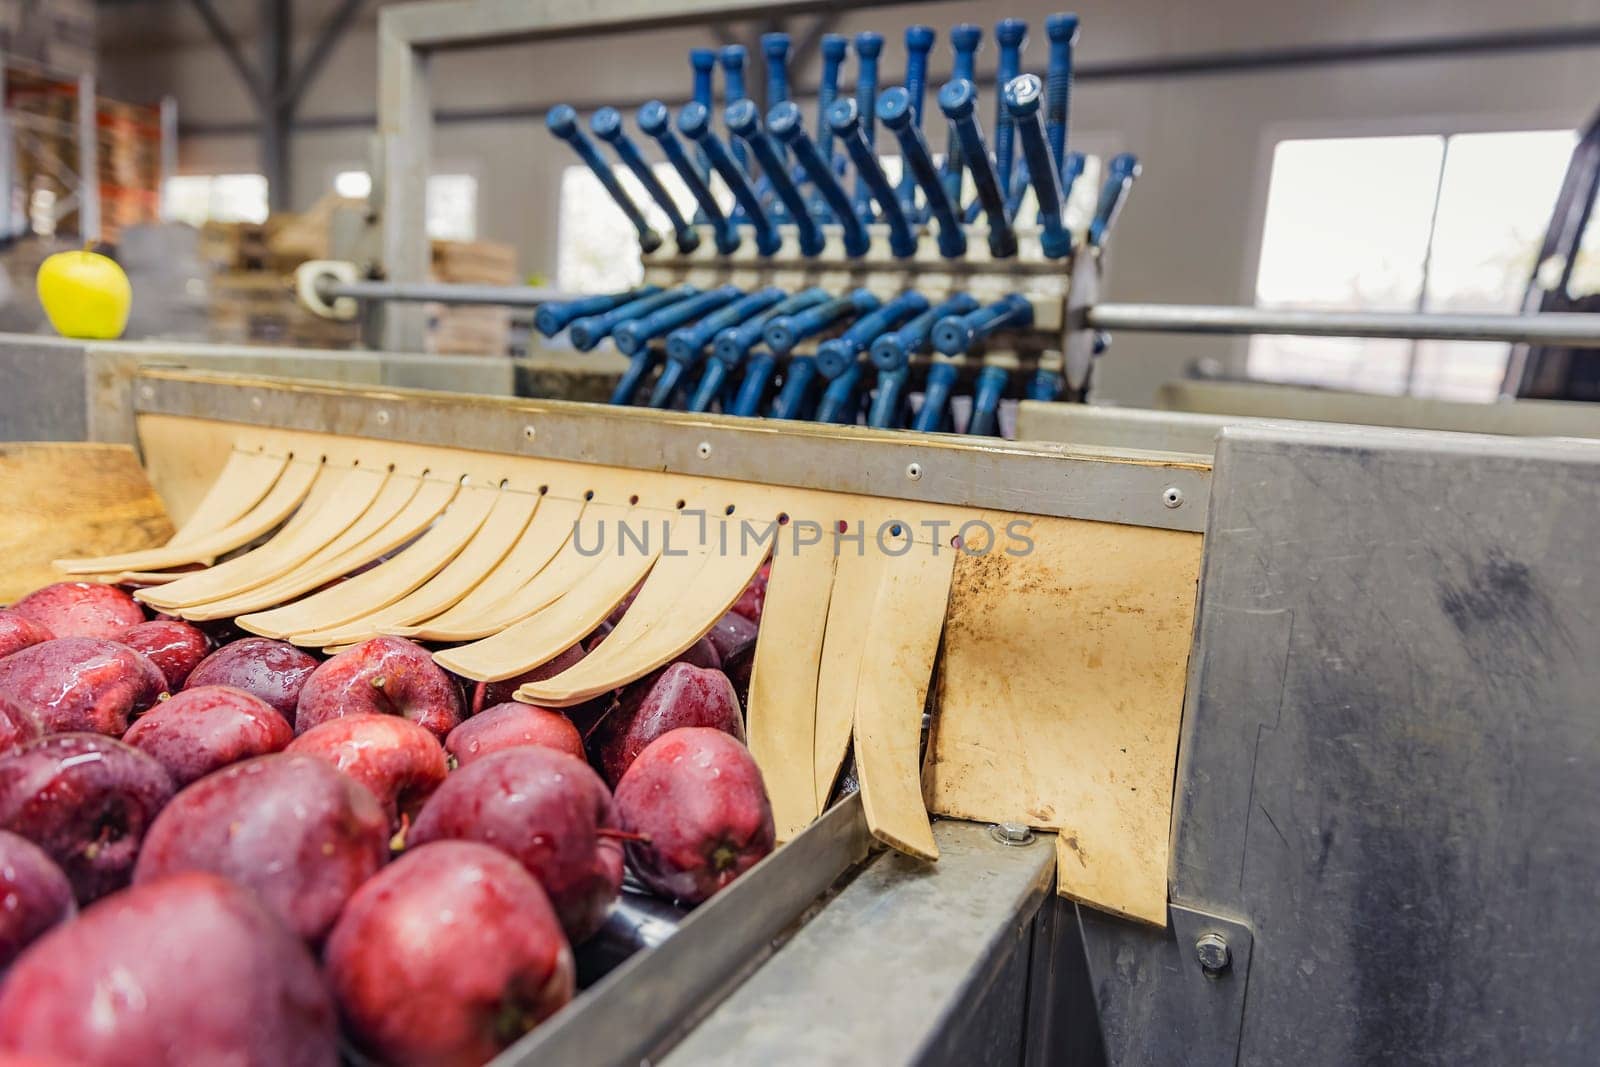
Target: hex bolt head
(1213, 953)
(1012, 834)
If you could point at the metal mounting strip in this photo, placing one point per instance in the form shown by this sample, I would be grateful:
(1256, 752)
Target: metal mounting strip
(1157, 489)
(1572, 329)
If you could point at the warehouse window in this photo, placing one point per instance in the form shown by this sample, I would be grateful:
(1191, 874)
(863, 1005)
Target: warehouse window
(452, 209)
(1416, 223)
(597, 250)
(200, 198)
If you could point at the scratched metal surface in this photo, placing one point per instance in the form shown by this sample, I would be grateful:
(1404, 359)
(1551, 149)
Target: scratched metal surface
(1390, 767)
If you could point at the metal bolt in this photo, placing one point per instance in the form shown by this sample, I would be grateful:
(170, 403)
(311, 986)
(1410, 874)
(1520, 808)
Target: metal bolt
(529, 432)
(147, 392)
(382, 417)
(704, 450)
(1213, 953)
(914, 471)
(256, 403)
(1014, 834)
(1172, 496)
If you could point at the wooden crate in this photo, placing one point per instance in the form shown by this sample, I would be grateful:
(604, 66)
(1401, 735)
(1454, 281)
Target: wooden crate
(259, 307)
(474, 263)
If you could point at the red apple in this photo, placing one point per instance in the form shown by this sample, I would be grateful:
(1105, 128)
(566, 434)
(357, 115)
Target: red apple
(488, 694)
(82, 683)
(383, 676)
(738, 667)
(275, 671)
(17, 632)
(731, 633)
(400, 762)
(188, 970)
(754, 597)
(87, 801)
(447, 957)
(18, 723)
(172, 645)
(696, 800)
(206, 728)
(80, 609)
(508, 726)
(34, 895)
(678, 695)
(291, 828)
(547, 810)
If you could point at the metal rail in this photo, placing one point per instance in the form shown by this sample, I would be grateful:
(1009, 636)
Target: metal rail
(1555, 328)
(440, 293)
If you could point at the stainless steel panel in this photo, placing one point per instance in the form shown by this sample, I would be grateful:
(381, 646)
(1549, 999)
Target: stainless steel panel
(641, 1007)
(42, 389)
(1390, 756)
(911, 963)
(937, 468)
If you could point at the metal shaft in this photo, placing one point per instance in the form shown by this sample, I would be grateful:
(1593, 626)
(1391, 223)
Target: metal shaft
(745, 122)
(606, 124)
(835, 47)
(562, 121)
(1120, 174)
(964, 42)
(1022, 97)
(958, 100)
(919, 43)
(1565, 329)
(1063, 33)
(775, 50)
(869, 46)
(1009, 35)
(733, 91)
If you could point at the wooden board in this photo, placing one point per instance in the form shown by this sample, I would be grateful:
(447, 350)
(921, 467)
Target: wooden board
(1060, 698)
(855, 590)
(71, 500)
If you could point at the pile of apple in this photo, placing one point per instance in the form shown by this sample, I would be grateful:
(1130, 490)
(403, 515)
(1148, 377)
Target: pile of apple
(221, 849)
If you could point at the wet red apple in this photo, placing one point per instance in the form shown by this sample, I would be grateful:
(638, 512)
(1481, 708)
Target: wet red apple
(731, 633)
(447, 956)
(187, 970)
(204, 729)
(17, 632)
(696, 800)
(400, 762)
(754, 597)
(34, 895)
(290, 827)
(275, 671)
(80, 609)
(85, 799)
(18, 723)
(508, 726)
(82, 683)
(738, 667)
(488, 694)
(383, 676)
(175, 647)
(547, 810)
(678, 695)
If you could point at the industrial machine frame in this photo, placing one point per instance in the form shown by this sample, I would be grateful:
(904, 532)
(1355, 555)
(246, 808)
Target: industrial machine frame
(1384, 810)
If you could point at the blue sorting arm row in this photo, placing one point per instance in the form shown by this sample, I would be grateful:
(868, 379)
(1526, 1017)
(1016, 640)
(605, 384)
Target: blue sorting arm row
(695, 123)
(562, 121)
(757, 380)
(1009, 36)
(845, 118)
(958, 100)
(894, 108)
(729, 347)
(986, 394)
(1023, 96)
(786, 123)
(869, 46)
(841, 398)
(893, 351)
(686, 345)
(955, 335)
(590, 330)
(795, 397)
(839, 354)
(889, 401)
(606, 124)
(919, 43)
(654, 120)
(783, 332)
(745, 122)
(964, 42)
(935, 397)
(554, 317)
(634, 335)
(1063, 33)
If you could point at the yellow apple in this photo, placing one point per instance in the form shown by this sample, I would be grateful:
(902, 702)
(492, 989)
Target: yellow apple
(86, 295)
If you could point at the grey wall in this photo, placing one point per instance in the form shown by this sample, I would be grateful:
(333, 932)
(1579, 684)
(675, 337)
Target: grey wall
(1190, 233)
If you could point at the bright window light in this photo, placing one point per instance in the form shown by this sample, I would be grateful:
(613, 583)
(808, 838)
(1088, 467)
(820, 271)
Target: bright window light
(597, 250)
(452, 208)
(353, 184)
(202, 198)
(1415, 223)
